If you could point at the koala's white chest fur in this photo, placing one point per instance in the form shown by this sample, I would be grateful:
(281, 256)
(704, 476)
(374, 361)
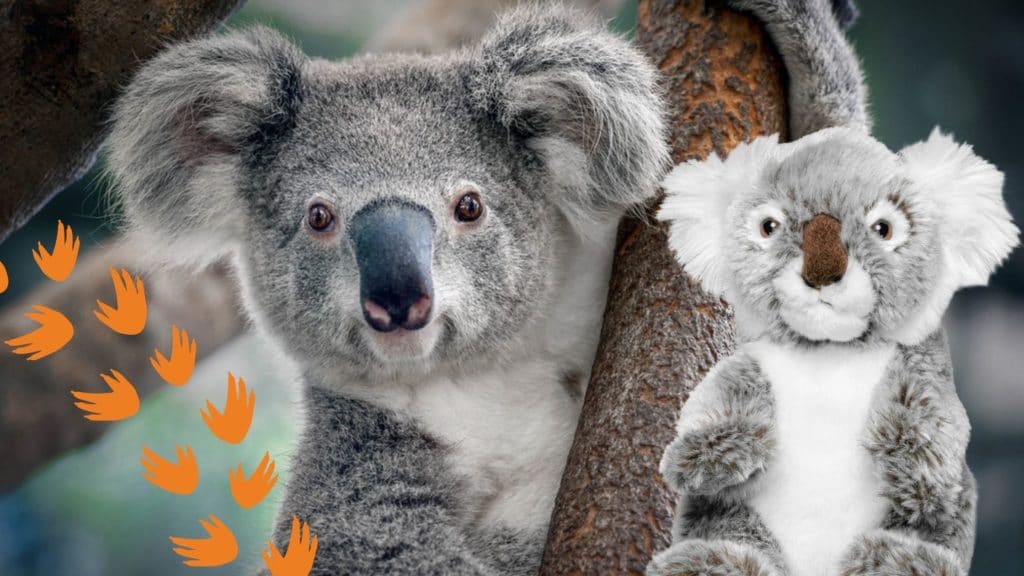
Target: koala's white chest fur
(820, 490)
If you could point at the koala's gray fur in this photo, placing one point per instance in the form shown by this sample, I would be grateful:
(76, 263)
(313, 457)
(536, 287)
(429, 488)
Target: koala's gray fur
(949, 228)
(438, 450)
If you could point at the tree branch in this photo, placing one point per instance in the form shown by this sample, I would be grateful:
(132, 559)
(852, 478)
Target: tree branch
(63, 63)
(661, 333)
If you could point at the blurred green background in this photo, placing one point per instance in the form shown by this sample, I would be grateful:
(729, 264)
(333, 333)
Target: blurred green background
(953, 64)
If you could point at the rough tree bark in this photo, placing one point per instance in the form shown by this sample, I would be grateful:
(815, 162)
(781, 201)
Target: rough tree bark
(661, 333)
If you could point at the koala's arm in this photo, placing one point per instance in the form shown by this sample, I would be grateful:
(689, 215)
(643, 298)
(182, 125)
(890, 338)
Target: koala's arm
(918, 436)
(826, 86)
(380, 498)
(725, 431)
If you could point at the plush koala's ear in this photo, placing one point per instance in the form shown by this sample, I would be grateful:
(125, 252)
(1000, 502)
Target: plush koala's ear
(698, 195)
(185, 130)
(583, 99)
(977, 230)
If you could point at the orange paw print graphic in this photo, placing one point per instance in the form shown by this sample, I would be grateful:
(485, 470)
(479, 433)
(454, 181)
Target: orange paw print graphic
(218, 549)
(54, 332)
(178, 369)
(120, 403)
(129, 317)
(57, 266)
(233, 424)
(250, 492)
(181, 478)
(298, 559)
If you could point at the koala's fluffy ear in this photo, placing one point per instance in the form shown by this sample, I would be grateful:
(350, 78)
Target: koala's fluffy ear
(583, 99)
(191, 121)
(977, 230)
(698, 195)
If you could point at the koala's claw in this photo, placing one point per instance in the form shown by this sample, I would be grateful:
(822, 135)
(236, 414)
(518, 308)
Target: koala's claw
(707, 460)
(710, 558)
(887, 553)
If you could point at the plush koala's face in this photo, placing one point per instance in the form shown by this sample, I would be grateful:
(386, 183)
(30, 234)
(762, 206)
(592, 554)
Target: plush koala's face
(835, 238)
(390, 213)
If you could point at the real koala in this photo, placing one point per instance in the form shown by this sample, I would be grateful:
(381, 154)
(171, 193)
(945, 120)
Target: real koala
(429, 238)
(832, 441)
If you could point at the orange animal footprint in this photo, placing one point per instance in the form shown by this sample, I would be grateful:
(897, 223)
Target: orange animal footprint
(298, 559)
(178, 369)
(54, 332)
(129, 318)
(4, 282)
(120, 403)
(233, 424)
(219, 549)
(58, 265)
(250, 492)
(181, 478)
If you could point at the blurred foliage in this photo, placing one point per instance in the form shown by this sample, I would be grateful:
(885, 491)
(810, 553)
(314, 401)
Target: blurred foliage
(937, 63)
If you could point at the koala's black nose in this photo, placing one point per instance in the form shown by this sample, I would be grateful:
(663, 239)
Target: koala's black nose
(393, 241)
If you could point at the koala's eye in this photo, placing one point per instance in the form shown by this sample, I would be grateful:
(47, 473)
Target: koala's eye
(883, 228)
(469, 208)
(768, 227)
(320, 218)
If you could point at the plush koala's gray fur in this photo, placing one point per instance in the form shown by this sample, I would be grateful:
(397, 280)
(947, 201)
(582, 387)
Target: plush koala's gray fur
(833, 440)
(442, 358)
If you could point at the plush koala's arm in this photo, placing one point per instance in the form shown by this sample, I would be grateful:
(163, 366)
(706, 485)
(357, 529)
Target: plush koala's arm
(725, 430)
(379, 497)
(826, 86)
(918, 436)
(582, 103)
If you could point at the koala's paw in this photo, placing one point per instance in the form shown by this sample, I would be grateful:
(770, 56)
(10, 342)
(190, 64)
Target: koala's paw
(887, 553)
(711, 558)
(706, 460)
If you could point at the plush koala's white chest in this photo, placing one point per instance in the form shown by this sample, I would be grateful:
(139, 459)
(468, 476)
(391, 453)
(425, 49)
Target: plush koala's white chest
(820, 489)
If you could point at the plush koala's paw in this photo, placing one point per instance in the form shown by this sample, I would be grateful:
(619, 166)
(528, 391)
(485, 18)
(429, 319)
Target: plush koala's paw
(887, 553)
(711, 558)
(784, 11)
(706, 460)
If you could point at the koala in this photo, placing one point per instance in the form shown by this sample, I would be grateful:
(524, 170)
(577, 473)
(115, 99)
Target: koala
(429, 239)
(832, 440)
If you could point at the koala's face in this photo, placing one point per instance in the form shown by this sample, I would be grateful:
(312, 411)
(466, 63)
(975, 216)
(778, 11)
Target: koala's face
(835, 238)
(403, 228)
(390, 213)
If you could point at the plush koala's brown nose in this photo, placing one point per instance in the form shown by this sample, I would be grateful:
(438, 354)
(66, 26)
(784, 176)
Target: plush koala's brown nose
(824, 254)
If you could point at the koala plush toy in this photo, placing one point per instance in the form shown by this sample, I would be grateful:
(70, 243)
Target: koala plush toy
(429, 239)
(832, 441)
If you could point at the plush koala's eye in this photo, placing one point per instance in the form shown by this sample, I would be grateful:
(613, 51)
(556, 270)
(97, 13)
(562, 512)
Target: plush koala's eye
(469, 208)
(768, 227)
(320, 218)
(883, 228)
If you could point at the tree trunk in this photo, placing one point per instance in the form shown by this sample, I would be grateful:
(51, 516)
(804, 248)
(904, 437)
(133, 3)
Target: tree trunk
(661, 333)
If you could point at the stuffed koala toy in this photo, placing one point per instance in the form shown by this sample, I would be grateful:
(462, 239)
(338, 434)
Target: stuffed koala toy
(832, 441)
